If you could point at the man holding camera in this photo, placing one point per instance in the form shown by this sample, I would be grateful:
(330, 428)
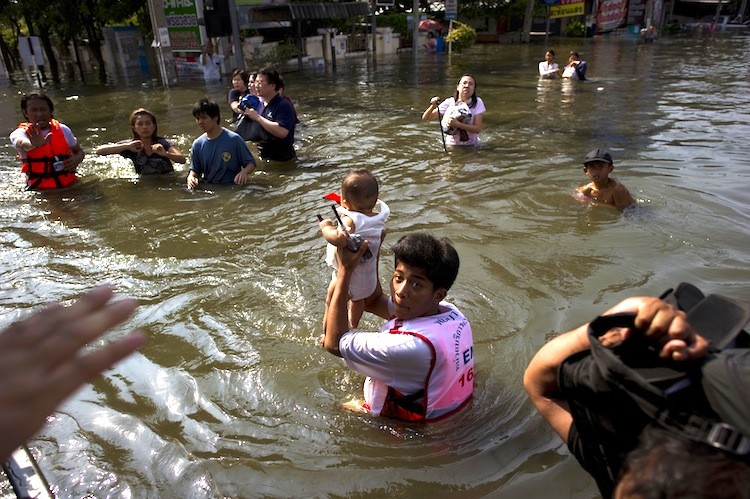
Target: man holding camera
(278, 118)
(627, 451)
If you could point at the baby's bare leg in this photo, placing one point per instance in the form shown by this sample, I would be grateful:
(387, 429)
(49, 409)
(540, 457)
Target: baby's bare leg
(356, 309)
(329, 294)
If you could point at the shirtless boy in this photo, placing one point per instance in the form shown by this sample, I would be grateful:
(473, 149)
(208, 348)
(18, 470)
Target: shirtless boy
(602, 189)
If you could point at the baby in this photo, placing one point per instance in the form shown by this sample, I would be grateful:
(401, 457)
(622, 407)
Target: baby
(463, 114)
(359, 197)
(602, 189)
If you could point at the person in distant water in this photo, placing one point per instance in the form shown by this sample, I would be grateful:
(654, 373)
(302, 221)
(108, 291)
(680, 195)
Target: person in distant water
(439, 41)
(603, 189)
(461, 114)
(576, 68)
(149, 152)
(48, 150)
(548, 68)
(50, 354)
(420, 366)
(431, 44)
(278, 118)
(211, 63)
(648, 34)
(240, 87)
(219, 156)
(359, 200)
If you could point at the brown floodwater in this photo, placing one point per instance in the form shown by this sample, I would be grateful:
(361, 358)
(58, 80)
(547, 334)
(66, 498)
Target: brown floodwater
(233, 397)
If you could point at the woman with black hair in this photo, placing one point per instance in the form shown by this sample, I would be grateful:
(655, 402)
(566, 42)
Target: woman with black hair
(460, 115)
(149, 152)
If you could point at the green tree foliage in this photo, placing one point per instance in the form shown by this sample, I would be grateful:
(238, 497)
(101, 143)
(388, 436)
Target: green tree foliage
(394, 20)
(58, 22)
(575, 28)
(462, 36)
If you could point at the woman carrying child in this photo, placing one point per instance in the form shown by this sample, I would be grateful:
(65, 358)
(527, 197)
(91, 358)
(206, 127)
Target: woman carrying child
(149, 152)
(461, 115)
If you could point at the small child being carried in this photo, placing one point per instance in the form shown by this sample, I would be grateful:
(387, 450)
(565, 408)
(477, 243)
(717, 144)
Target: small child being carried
(359, 198)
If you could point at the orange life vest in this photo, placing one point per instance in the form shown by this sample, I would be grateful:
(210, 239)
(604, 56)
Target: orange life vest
(38, 164)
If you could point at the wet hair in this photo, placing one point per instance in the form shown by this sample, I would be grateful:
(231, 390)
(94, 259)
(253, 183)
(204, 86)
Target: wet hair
(207, 107)
(437, 258)
(666, 465)
(360, 189)
(242, 74)
(143, 112)
(473, 96)
(272, 76)
(36, 95)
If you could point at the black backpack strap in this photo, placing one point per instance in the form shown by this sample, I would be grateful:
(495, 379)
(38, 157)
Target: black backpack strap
(654, 402)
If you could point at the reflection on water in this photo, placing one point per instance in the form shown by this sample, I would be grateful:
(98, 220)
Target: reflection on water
(232, 395)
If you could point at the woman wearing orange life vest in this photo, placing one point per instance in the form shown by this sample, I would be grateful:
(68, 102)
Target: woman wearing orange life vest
(48, 149)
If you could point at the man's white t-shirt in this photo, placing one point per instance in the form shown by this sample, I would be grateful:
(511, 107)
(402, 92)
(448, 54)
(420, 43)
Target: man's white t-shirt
(398, 360)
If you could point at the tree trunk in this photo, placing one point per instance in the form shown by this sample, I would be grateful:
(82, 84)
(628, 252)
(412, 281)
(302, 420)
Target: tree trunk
(51, 57)
(95, 43)
(6, 54)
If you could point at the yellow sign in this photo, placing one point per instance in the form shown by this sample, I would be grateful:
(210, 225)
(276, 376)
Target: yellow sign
(568, 10)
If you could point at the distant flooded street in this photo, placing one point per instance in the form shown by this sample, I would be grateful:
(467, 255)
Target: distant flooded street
(233, 397)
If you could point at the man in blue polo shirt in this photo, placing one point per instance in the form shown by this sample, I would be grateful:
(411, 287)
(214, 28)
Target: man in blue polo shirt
(277, 119)
(219, 156)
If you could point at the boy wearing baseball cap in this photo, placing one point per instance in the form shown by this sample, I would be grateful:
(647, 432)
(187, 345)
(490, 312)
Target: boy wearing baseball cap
(602, 189)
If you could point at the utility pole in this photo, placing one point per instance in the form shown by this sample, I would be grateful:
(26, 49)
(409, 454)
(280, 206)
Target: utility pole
(527, 21)
(238, 59)
(415, 28)
(161, 42)
(374, 31)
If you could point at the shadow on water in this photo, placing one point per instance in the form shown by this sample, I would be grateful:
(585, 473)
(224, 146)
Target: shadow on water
(232, 395)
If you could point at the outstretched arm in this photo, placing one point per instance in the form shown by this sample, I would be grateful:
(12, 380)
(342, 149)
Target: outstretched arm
(337, 318)
(126, 145)
(42, 363)
(432, 111)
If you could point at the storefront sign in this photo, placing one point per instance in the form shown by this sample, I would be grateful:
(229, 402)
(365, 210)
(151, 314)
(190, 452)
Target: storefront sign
(182, 22)
(611, 15)
(566, 8)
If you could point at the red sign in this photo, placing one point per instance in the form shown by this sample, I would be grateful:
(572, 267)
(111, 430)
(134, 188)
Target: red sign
(611, 15)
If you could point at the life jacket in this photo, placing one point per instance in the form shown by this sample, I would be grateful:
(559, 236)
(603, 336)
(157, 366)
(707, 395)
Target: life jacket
(449, 383)
(614, 394)
(40, 174)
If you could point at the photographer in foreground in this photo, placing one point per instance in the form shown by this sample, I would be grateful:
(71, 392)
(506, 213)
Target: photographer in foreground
(606, 418)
